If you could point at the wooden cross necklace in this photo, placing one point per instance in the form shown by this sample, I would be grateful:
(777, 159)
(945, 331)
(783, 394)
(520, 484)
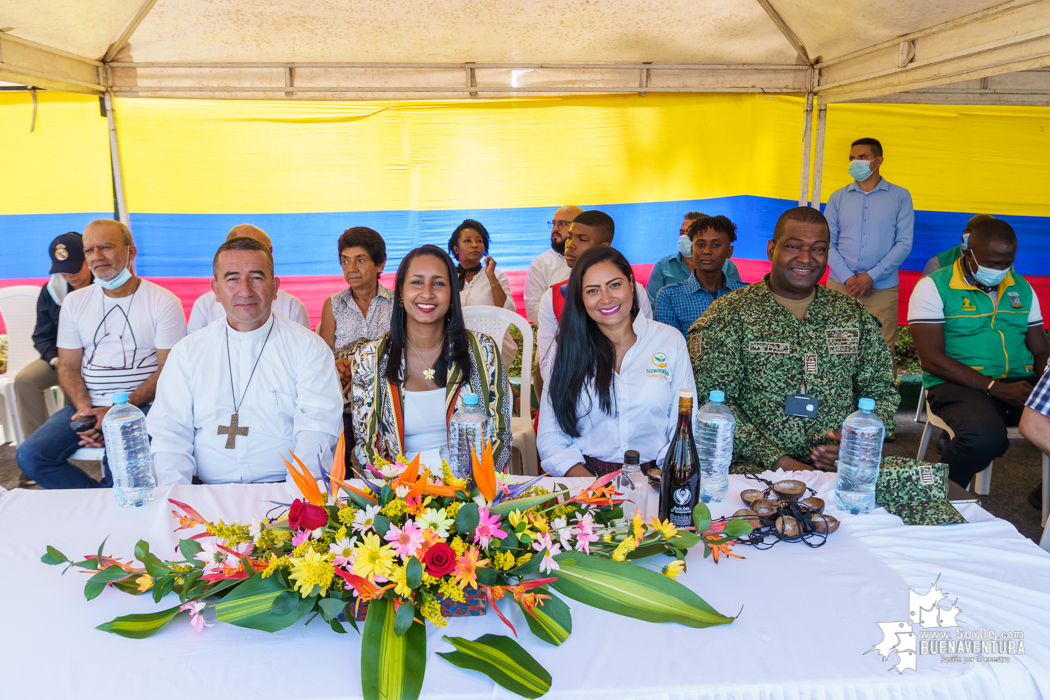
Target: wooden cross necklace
(234, 429)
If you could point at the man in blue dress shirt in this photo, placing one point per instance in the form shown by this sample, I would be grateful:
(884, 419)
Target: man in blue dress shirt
(674, 268)
(872, 224)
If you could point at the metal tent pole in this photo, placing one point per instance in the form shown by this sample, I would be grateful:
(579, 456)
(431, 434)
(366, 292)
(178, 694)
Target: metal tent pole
(114, 156)
(803, 187)
(818, 165)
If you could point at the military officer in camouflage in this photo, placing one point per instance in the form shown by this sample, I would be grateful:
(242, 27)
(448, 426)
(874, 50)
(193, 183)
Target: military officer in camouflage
(792, 357)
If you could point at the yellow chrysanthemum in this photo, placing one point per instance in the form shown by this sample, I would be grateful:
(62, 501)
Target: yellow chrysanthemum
(373, 558)
(624, 547)
(672, 570)
(399, 577)
(310, 571)
(638, 525)
(665, 528)
(539, 522)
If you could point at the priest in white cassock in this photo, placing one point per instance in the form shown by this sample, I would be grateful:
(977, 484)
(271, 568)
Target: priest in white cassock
(207, 307)
(246, 389)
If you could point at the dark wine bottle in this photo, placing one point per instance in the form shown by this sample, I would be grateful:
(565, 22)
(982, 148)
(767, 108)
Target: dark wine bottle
(680, 477)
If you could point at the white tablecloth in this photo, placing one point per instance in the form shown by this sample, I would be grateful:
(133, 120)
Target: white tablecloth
(808, 617)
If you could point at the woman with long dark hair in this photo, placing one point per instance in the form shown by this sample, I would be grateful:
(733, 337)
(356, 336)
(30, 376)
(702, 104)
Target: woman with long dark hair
(480, 283)
(408, 384)
(615, 378)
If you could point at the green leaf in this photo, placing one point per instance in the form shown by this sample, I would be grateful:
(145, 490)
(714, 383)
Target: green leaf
(392, 666)
(97, 583)
(191, 585)
(154, 566)
(380, 524)
(508, 543)
(337, 626)
(503, 660)
(701, 517)
(413, 573)
(467, 518)
(551, 622)
(404, 618)
(525, 539)
(360, 501)
(632, 591)
(162, 587)
(139, 626)
(385, 494)
(522, 504)
(101, 547)
(737, 528)
(190, 549)
(284, 603)
(248, 605)
(330, 608)
(530, 566)
(684, 540)
(53, 557)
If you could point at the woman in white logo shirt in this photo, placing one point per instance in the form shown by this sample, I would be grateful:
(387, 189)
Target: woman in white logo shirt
(615, 376)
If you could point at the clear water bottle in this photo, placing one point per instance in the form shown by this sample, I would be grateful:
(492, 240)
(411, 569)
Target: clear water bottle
(713, 433)
(469, 427)
(859, 457)
(127, 449)
(633, 485)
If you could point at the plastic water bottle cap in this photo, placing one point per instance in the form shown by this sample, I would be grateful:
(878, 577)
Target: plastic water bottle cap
(120, 398)
(867, 404)
(470, 399)
(718, 396)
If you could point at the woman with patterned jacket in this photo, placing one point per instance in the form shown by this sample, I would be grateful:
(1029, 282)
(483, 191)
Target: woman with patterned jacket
(407, 385)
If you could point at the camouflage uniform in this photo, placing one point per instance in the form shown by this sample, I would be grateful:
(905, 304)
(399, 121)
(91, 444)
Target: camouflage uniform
(757, 352)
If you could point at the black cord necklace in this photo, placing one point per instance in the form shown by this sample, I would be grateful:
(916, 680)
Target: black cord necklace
(234, 429)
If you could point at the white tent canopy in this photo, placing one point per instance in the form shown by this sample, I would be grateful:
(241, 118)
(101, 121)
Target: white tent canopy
(360, 49)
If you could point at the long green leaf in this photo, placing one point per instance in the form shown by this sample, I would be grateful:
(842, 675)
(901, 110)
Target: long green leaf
(140, 626)
(97, 583)
(392, 667)
(249, 605)
(503, 660)
(522, 504)
(632, 591)
(552, 621)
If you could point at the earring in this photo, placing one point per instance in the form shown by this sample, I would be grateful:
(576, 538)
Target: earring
(401, 302)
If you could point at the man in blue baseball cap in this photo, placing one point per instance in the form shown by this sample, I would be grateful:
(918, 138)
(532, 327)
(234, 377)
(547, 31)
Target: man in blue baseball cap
(68, 272)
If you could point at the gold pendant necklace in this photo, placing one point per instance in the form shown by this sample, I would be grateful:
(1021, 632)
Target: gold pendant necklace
(429, 372)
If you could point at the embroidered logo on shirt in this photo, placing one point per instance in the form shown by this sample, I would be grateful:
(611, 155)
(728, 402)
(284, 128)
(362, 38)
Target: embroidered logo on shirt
(967, 305)
(842, 341)
(1015, 299)
(696, 344)
(810, 362)
(660, 360)
(769, 348)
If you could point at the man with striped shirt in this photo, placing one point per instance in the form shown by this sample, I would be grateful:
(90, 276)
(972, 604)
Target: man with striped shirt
(113, 336)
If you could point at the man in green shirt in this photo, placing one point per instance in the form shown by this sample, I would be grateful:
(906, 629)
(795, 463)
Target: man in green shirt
(946, 258)
(792, 357)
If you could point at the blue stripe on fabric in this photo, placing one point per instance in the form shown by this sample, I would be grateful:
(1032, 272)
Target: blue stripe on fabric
(26, 238)
(182, 245)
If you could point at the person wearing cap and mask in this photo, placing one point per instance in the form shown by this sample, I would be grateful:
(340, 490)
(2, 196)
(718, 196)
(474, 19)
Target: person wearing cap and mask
(113, 337)
(68, 272)
(872, 224)
(948, 257)
(978, 331)
(675, 268)
(207, 309)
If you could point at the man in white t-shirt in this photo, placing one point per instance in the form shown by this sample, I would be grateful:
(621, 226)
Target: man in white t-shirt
(113, 337)
(549, 266)
(207, 307)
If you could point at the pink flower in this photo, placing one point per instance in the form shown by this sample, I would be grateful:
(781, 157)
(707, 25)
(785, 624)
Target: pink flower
(300, 537)
(407, 540)
(584, 530)
(488, 527)
(548, 563)
(195, 607)
(215, 558)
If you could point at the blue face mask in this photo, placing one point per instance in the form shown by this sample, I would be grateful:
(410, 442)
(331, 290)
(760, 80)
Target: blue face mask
(860, 169)
(685, 246)
(118, 281)
(966, 240)
(986, 276)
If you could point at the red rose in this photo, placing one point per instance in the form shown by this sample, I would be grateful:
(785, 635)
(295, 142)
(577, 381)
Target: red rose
(306, 516)
(439, 560)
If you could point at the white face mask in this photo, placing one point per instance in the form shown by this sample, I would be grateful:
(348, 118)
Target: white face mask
(122, 277)
(987, 276)
(685, 246)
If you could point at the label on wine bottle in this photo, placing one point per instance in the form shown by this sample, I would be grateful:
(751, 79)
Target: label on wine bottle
(683, 499)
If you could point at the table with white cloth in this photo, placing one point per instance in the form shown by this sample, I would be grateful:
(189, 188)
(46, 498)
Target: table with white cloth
(806, 615)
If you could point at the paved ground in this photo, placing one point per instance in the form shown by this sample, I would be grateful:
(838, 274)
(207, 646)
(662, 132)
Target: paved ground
(1013, 476)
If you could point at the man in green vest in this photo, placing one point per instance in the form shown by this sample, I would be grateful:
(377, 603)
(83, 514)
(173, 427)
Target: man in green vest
(945, 258)
(979, 334)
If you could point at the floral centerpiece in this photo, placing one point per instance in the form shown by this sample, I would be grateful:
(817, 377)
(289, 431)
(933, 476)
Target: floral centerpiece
(408, 550)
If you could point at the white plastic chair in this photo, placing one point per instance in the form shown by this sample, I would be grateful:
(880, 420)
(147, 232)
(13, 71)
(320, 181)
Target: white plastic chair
(18, 309)
(983, 480)
(493, 321)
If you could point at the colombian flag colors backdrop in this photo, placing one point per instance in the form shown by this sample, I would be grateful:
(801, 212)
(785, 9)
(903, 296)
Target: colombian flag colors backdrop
(305, 171)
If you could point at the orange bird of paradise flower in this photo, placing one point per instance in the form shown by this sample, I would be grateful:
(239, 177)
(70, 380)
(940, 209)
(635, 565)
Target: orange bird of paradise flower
(305, 481)
(484, 471)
